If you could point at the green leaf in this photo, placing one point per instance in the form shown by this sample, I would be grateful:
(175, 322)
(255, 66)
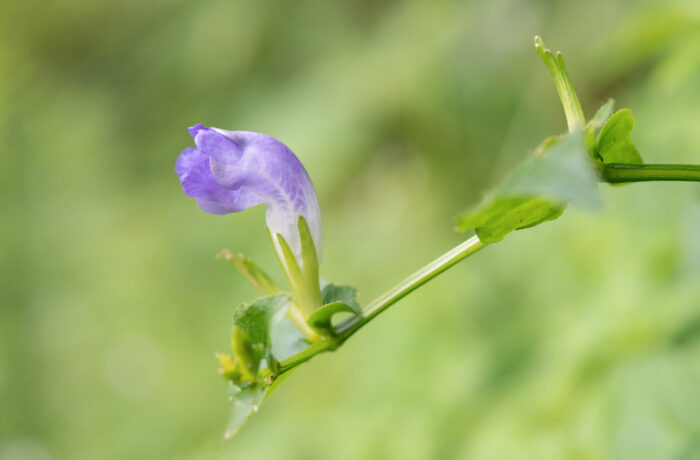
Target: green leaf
(255, 318)
(245, 402)
(499, 217)
(563, 173)
(259, 279)
(595, 123)
(320, 320)
(336, 299)
(261, 331)
(614, 144)
(252, 340)
(537, 191)
(246, 357)
(251, 337)
(286, 339)
(346, 294)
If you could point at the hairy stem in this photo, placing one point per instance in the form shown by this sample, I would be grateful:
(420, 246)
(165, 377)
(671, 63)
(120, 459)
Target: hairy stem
(618, 173)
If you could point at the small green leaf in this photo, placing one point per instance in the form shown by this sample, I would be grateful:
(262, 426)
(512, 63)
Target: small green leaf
(247, 400)
(259, 279)
(537, 191)
(595, 123)
(251, 337)
(245, 403)
(286, 339)
(499, 217)
(346, 294)
(255, 318)
(336, 299)
(321, 318)
(614, 144)
(563, 173)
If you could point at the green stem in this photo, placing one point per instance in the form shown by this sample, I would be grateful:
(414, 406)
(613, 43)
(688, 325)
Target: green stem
(618, 172)
(613, 173)
(413, 282)
(348, 328)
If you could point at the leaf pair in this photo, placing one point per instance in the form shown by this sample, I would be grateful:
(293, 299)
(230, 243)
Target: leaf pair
(561, 172)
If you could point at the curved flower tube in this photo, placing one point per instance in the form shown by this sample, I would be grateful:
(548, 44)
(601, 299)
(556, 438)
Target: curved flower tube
(230, 171)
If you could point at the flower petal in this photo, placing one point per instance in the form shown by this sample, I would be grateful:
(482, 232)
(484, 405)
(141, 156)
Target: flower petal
(197, 181)
(232, 170)
(219, 147)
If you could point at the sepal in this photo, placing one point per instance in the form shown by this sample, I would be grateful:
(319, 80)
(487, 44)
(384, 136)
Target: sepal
(258, 278)
(303, 279)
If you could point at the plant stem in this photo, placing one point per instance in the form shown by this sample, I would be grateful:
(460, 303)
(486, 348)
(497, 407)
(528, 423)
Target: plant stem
(422, 276)
(618, 172)
(612, 173)
(266, 375)
(345, 330)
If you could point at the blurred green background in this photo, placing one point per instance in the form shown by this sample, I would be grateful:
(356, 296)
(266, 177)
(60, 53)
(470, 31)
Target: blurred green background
(577, 340)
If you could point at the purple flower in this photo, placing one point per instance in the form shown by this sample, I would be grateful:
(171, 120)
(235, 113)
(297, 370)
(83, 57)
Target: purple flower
(230, 171)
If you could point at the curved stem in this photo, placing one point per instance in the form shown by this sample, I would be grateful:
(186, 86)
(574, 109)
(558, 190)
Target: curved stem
(618, 172)
(345, 330)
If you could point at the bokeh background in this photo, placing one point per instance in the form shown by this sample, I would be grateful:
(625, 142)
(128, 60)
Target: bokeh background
(579, 339)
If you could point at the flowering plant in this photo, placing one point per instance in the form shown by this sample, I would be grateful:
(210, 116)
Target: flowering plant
(230, 171)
